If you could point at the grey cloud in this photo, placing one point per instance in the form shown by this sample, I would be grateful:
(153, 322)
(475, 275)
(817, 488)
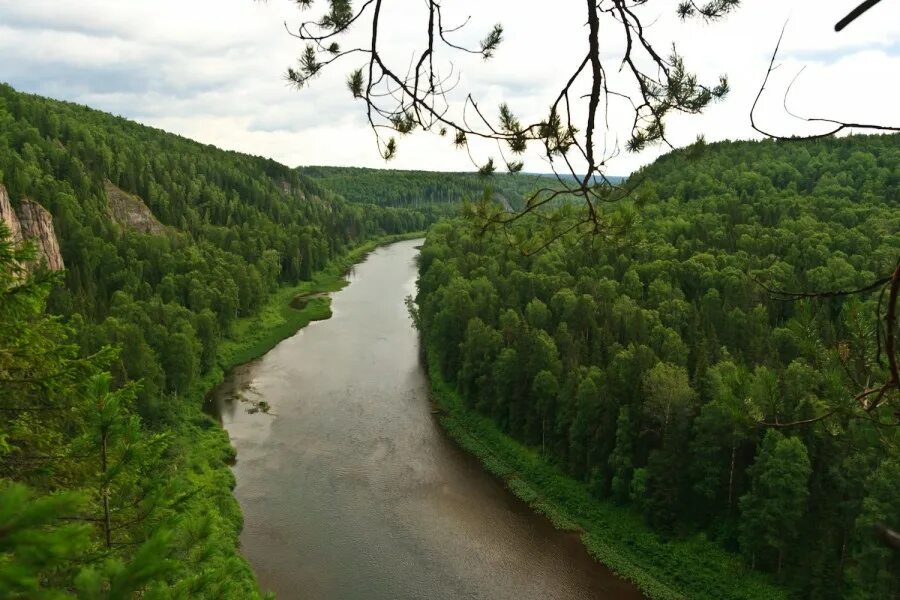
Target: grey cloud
(131, 79)
(211, 69)
(833, 55)
(16, 18)
(29, 17)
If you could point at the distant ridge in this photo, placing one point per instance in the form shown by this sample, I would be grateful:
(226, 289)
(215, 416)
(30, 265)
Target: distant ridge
(614, 179)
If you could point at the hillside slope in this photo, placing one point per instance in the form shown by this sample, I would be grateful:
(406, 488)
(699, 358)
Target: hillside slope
(389, 187)
(169, 247)
(641, 391)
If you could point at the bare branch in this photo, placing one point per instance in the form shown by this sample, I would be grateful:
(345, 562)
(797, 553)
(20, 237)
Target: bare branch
(836, 126)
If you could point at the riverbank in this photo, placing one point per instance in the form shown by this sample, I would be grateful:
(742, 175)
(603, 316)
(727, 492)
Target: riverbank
(349, 488)
(254, 336)
(202, 447)
(615, 536)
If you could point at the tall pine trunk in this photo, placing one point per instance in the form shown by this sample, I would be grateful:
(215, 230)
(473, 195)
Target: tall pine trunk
(731, 478)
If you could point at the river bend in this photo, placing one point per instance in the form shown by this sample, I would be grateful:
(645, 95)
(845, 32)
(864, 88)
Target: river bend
(351, 490)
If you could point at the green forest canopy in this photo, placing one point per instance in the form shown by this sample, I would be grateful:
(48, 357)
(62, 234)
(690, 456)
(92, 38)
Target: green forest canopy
(101, 421)
(510, 193)
(391, 187)
(646, 369)
(642, 370)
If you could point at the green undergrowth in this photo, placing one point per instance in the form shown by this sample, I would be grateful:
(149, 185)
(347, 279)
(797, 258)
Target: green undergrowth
(694, 567)
(202, 446)
(204, 452)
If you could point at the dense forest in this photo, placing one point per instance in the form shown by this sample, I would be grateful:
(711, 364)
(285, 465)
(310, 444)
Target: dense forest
(235, 227)
(417, 188)
(651, 368)
(113, 481)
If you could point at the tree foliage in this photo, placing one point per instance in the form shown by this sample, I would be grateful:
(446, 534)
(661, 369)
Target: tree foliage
(677, 372)
(113, 484)
(399, 99)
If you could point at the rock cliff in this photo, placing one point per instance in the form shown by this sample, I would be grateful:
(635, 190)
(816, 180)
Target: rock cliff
(31, 221)
(130, 211)
(8, 216)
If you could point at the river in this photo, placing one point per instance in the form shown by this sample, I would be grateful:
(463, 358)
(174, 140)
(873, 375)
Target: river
(351, 490)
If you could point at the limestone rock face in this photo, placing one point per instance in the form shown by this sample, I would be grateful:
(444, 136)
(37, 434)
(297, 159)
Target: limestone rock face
(37, 226)
(8, 216)
(31, 221)
(130, 211)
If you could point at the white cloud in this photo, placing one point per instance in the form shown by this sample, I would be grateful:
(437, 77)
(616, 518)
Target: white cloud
(212, 69)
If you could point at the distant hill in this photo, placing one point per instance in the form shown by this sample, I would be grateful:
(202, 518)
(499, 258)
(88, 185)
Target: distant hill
(614, 179)
(388, 187)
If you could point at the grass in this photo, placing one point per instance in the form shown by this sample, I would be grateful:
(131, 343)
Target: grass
(254, 336)
(614, 535)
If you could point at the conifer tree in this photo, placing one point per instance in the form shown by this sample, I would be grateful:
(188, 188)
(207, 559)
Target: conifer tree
(620, 461)
(876, 573)
(771, 511)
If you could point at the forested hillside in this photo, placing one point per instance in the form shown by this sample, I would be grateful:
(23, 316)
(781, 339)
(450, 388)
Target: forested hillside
(389, 187)
(113, 482)
(238, 225)
(652, 369)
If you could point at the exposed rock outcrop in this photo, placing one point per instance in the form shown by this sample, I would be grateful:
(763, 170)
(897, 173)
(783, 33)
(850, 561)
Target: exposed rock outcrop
(37, 226)
(9, 216)
(31, 221)
(130, 211)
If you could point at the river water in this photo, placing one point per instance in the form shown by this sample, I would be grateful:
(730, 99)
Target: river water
(351, 490)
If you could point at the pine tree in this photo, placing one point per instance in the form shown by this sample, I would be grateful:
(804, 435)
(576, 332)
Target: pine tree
(722, 426)
(34, 542)
(876, 572)
(545, 389)
(64, 429)
(123, 469)
(773, 508)
(620, 460)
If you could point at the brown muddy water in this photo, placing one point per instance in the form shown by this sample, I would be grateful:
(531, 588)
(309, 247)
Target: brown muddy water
(351, 490)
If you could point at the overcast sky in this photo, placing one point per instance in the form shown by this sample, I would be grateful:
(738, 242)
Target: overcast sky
(213, 70)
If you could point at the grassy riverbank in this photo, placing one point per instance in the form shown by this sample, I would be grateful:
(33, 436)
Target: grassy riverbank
(203, 447)
(692, 568)
(254, 336)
